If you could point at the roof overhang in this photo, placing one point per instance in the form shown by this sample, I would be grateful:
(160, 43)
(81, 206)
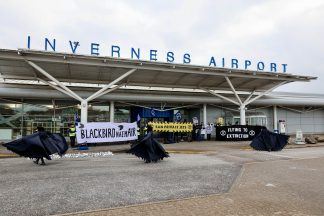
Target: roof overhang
(102, 70)
(39, 93)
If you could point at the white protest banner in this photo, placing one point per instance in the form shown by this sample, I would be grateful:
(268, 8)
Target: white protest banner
(96, 132)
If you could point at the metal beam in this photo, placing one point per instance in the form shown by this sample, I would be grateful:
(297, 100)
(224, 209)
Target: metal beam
(180, 107)
(131, 104)
(221, 96)
(110, 90)
(266, 92)
(29, 91)
(99, 93)
(42, 71)
(299, 111)
(249, 97)
(236, 110)
(58, 88)
(233, 90)
(162, 110)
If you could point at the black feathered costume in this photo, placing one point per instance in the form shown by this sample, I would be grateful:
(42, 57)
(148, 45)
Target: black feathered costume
(148, 149)
(38, 145)
(269, 141)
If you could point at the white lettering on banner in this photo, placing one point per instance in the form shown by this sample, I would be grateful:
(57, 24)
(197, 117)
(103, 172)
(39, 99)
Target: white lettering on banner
(237, 136)
(96, 132)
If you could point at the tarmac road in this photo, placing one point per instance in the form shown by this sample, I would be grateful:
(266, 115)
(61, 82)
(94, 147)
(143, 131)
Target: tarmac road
(71, 185)
(274, 188)
(289, 182)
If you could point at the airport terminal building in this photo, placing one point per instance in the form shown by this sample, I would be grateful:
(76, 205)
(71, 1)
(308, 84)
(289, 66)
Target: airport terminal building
(51, 89)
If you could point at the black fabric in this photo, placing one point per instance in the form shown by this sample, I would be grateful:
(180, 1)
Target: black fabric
(148, 149)
(37, 145)
(269, 141)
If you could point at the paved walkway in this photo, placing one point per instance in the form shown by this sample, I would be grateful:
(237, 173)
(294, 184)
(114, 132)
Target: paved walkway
(293, 187)
(181, 147)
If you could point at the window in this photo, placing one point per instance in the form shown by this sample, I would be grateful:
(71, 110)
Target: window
(259, 120)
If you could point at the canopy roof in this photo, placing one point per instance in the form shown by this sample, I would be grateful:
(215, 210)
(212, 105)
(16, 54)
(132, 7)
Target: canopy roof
(103, 70)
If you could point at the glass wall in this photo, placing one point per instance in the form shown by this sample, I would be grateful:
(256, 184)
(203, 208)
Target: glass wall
(252, 120)
(22, 118)
(11, 115)
(122, 114)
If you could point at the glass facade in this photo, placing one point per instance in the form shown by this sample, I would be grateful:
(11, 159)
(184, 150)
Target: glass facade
(252, 120)
(22, 118)
(11, 118)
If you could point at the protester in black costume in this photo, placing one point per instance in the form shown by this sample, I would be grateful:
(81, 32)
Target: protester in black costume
(39, 145)
(40, 129)
(269, 141)
(148, 148)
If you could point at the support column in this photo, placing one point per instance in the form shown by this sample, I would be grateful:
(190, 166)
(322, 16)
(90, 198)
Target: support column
(112, 111)
(54, 117)
(84, 111)
(205, 118)
(242, 114)
(22, 118)
(275, 118)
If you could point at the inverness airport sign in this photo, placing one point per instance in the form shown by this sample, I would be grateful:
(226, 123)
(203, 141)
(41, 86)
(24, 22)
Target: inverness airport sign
(169, 57)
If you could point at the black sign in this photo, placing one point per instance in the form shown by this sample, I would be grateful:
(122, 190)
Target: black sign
(237, 132)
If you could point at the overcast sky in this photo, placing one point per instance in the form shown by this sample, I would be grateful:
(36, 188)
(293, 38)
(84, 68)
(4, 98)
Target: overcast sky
(290, 31)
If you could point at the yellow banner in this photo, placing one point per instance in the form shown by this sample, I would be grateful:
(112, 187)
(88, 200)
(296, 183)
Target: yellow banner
(171, 126)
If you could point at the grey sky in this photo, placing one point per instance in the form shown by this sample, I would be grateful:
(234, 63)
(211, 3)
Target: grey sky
(290, 31)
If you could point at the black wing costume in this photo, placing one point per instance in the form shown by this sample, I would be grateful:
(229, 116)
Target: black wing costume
(269, 141)
(148, 149)
(38, 145)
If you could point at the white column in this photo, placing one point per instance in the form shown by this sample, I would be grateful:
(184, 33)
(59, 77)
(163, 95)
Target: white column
(112, 111)
(22, 118)
(275, 118)
(84, 112)
(205, 118)
(242, 114)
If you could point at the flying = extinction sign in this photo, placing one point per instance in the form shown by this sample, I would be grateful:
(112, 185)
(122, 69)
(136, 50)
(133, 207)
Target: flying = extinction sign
(237, 132)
